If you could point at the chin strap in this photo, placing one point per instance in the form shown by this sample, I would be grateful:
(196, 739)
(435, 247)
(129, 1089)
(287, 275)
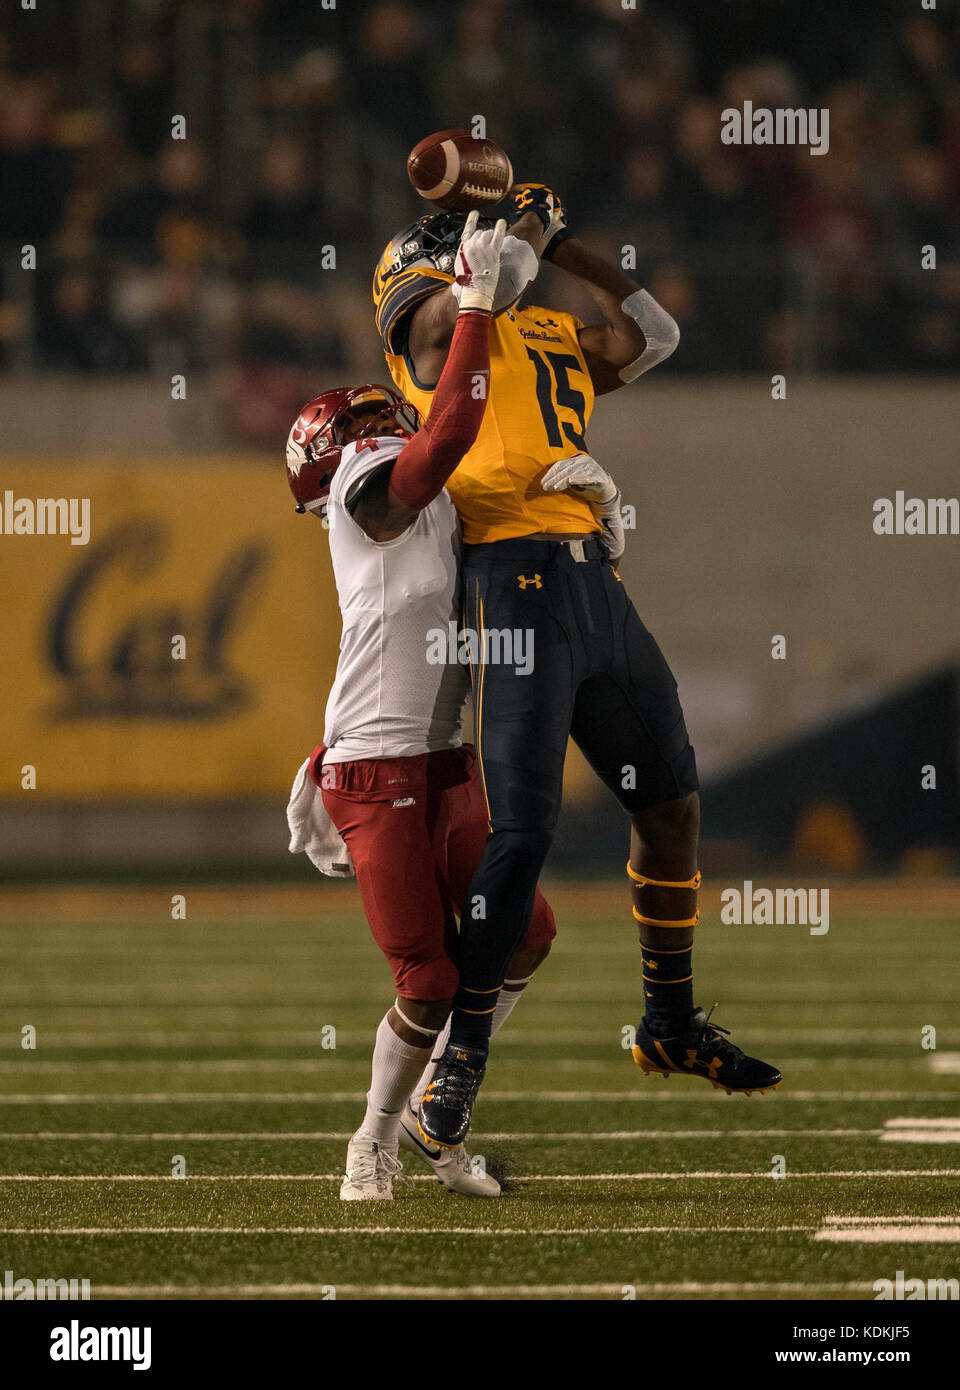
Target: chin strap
(642, 880)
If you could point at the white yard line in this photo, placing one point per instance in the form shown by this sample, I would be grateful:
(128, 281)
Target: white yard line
(659, 1176)
(513, 1037)
(643, 1094)
(886, 1220)
(910, 1130)
(395, 1290)
(890, 1235)
(168, 1064)
(278, 1037)
(944, 1063)
(933, 1122)
(437, 1291)
(485, 1231)
(485, 1137)
(325, 1062)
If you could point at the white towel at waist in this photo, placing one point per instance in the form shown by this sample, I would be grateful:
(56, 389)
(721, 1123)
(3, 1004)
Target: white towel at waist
(312, 832)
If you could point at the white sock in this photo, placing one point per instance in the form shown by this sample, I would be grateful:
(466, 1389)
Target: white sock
(506, 1003)
(396, 1066)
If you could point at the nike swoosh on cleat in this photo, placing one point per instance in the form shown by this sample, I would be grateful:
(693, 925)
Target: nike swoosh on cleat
(422, 1147)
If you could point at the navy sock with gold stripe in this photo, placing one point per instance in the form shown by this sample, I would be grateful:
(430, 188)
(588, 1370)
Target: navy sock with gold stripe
(667, 989)
(472, 1016)
(662, 908)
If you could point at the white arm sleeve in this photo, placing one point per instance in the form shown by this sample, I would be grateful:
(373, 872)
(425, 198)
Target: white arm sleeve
(657, 326)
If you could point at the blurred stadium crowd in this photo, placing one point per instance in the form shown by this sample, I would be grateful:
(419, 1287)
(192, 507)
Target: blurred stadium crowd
(162, 255)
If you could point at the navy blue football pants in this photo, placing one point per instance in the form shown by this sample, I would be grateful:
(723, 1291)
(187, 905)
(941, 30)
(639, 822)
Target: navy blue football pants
(562, 652)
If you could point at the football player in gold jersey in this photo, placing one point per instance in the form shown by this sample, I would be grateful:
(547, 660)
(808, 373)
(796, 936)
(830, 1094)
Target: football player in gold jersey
(540, 524)
(546, 366)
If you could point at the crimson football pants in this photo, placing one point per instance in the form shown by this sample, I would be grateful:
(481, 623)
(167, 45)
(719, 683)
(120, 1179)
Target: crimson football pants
(416, 829)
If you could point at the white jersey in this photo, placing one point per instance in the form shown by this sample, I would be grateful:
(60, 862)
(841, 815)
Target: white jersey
(388, 699)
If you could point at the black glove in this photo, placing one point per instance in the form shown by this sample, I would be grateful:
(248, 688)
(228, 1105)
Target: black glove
(538, 198)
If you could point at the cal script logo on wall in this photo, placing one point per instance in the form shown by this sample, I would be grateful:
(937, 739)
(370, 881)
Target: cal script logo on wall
(186, 652)
(135, 672)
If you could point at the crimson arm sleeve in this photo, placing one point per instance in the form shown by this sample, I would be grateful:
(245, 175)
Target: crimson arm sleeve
(456, 413)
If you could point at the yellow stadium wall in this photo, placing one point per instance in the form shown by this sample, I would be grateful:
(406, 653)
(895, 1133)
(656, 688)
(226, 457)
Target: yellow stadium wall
(206, 549)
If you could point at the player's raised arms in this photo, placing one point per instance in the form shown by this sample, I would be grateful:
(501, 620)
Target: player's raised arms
(392, 496)
(386, 499)
(432, 322)
(636, 333)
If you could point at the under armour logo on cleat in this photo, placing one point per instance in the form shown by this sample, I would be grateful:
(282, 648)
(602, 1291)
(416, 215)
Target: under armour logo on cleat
(523, 581)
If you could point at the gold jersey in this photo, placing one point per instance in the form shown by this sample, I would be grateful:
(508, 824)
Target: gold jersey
(540, 400)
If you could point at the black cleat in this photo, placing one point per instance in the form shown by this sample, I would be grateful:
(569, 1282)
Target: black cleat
(705, 1051)
(444, 1114)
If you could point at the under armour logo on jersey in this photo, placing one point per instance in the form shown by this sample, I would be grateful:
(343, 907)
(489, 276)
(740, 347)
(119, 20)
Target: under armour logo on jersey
(546, 323)
(405, 801)
(523, 581)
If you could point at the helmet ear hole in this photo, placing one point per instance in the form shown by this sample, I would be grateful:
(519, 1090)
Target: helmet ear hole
(431, 240)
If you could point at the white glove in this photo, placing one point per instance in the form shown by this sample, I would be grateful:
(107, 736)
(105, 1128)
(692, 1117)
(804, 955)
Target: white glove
(558, 218)
(584, 474)
(518, 266)
(477, 267)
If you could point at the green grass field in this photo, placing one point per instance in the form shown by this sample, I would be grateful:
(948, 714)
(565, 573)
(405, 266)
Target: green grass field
(203, 1038)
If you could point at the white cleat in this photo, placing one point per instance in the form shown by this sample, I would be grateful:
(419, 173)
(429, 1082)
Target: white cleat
(453, 1167)
(371, 1170)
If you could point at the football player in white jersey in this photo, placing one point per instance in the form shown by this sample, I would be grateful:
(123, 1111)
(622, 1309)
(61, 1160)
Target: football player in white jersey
(392, 773)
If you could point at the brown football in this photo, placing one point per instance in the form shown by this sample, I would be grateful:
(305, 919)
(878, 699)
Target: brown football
(459, 172)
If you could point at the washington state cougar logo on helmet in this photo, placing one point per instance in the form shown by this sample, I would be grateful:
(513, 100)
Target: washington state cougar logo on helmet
(331, 421)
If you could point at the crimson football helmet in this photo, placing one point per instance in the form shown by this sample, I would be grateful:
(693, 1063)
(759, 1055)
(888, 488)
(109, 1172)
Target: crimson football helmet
(331, 421)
